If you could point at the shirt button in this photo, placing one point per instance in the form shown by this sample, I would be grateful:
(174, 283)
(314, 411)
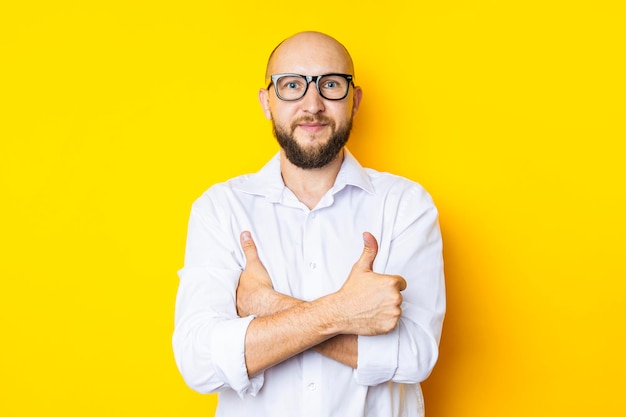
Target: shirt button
(312, 265)
(312, 386)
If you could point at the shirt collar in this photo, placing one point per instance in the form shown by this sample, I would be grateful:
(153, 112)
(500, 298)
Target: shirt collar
(268, 182)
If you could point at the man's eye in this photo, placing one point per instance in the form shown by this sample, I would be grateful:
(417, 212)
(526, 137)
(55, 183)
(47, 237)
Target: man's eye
(291, 85)
(331, 84)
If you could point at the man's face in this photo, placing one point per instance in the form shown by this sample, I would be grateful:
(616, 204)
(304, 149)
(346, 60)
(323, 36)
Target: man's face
(312, 130)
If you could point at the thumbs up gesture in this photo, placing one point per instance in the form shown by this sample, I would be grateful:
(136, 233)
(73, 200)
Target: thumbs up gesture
(255, 285)
(369, 302)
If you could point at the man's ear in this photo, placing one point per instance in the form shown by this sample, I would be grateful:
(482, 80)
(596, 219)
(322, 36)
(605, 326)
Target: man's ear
(264, 100)
(356, 100)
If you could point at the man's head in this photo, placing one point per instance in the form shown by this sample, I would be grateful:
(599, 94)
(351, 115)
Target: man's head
(311, 130)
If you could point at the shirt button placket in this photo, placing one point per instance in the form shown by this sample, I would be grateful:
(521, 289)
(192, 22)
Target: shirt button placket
(312, 401)
(311, 257)
(311, 361)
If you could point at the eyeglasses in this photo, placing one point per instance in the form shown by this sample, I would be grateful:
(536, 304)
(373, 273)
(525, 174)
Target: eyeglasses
(292, 87)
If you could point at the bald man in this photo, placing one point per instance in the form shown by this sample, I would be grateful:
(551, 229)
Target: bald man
(315, 286)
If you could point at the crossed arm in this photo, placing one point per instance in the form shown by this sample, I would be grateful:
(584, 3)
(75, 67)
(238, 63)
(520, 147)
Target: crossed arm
(367, 304)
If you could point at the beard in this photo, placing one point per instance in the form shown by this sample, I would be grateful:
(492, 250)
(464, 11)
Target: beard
(314, 156)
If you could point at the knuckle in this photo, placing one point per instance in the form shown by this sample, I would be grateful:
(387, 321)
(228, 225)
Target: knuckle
(400, 281)
(398, 299)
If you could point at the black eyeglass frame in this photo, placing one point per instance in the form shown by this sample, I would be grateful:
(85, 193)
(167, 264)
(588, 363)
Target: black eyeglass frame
(309, 79)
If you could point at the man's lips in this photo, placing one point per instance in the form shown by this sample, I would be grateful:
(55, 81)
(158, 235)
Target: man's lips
(312, 127)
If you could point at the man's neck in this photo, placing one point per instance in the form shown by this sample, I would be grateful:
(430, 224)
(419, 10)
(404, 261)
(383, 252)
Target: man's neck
(310, 185)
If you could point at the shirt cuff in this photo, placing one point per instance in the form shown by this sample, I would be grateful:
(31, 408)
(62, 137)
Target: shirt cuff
(228, 356)
(377, 358)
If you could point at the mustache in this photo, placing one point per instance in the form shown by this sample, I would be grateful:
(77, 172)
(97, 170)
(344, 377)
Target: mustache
(313, 119)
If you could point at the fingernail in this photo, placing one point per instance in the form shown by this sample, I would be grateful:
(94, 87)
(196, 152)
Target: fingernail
(245, 236)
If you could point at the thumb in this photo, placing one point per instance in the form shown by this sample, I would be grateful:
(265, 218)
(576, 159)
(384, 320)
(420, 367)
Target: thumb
(370, 250)
(248, 246)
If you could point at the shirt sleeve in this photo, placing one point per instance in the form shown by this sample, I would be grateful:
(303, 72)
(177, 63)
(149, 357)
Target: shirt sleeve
(410, 246)
(209, 337)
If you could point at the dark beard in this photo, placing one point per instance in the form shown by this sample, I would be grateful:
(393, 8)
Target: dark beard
(313, 157)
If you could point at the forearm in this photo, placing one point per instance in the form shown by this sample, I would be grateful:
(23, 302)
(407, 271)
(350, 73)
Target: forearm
(342, 348)
(274, 338)
(268, 302)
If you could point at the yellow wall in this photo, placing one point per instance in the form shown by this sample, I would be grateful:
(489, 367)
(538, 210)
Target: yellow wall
(116, 115)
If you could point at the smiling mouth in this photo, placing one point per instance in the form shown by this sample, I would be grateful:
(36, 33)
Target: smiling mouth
(312, 127)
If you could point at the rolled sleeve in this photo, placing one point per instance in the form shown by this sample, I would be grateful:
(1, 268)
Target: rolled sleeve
(209, 338)
(378, 358)
(228, 355)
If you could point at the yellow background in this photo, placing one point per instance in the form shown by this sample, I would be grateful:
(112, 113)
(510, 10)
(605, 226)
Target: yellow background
(116, 115)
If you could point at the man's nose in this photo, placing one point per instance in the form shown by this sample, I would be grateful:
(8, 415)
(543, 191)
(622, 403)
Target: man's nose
(312, 101)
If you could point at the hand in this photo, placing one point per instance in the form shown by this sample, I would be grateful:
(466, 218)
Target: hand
(255, 284)
(255, 293)
(370, 302)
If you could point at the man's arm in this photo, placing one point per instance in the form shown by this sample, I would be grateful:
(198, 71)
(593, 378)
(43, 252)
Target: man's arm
(367, 304)
(256, 295)
(343, 348)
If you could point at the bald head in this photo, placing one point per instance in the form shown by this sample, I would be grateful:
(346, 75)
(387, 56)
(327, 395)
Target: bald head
(309, 53)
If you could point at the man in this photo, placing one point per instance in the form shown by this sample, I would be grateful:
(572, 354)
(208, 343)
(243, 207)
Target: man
(313, 287)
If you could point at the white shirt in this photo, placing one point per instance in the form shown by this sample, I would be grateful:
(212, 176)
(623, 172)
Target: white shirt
(309, 254)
